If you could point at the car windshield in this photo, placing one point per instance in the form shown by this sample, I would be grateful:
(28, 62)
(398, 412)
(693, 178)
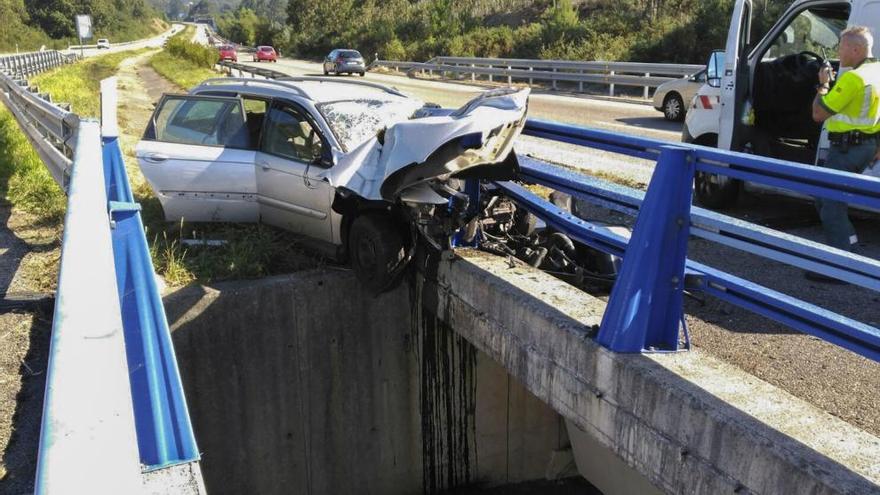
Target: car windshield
(266, 48)
(355, 121)
(226, 48)
(350, 54)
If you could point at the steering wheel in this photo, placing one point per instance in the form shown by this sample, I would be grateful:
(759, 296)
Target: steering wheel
(804, 58)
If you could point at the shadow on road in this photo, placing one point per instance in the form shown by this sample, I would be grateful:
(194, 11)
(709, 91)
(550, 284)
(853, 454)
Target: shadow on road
(657, 123)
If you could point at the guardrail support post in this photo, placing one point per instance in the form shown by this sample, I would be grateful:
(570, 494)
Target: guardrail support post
(531, 69)
(645, 92)
(581, 84)
(490, 75)
(611, 86)
(509, 79)
(554, 79)
(645, 307)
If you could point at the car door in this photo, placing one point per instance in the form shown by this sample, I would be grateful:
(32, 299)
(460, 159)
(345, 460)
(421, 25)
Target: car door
(198, 157)
(293, 191)
(735, 79)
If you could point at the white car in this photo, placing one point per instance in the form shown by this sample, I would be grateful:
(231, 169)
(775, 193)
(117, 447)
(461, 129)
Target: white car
(356, 168)
(103, 43)
(673, 97)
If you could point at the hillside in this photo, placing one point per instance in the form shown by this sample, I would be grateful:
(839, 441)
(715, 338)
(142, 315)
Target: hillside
(684, 31)
(32, 24)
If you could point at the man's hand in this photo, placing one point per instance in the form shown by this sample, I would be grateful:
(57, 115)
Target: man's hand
(826, 74)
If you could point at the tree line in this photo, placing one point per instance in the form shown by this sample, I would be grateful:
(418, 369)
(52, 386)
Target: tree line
(29, 25)
(673, 31)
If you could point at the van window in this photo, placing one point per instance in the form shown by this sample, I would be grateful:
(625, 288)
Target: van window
(814, 30)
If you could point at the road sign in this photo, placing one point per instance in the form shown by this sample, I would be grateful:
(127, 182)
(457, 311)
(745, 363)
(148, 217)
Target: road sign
(84, 26)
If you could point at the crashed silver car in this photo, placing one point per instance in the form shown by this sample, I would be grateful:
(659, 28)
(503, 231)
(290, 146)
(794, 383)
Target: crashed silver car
(358, 169)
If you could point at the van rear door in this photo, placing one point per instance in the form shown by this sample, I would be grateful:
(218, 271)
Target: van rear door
(735, 79)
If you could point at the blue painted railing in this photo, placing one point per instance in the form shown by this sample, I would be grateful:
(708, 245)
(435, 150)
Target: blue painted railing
(164, 431)
(114, 403)
(644, 310)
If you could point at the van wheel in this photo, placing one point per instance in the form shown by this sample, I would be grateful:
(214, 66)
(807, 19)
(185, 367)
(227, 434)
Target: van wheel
(673, 107)
(377, 252)
(713, 191)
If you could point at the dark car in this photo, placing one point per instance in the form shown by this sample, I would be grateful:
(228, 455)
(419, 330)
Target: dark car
(342, 60)
(227, 52)
(266, 53)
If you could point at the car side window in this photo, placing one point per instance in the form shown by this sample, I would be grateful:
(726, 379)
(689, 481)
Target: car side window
(290, 135)
(205, 121)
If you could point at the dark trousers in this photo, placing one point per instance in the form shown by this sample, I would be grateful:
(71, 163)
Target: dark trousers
(839, 231)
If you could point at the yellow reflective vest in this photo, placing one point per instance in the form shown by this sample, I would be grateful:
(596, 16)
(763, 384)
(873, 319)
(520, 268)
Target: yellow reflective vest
(855, 100)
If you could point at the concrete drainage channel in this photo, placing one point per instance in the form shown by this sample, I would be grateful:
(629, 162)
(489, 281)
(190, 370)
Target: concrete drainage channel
(306, 384)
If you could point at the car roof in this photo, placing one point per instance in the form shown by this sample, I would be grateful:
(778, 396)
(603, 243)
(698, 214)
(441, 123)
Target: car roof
(316, 89)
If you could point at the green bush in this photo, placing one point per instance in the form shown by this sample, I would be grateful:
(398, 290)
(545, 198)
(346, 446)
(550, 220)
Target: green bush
(199, 55)
(393, 50)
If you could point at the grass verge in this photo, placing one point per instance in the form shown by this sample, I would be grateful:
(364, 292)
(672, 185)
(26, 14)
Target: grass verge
(24, 181)
(180, 71)
(79, 84)
(179, 62)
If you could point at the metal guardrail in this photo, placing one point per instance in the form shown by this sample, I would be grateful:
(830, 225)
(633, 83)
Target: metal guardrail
(113, 386)
(637, 74)
(50, 127)
(254, 72)
(645, 307)
(87, 439)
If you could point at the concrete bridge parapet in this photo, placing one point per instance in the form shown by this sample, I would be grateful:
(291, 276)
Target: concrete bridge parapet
(686, 421)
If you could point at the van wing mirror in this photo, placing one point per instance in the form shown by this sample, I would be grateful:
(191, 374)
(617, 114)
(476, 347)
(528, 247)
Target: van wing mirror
(715, 69)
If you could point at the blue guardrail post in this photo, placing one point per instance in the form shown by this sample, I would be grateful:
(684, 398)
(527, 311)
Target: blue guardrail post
(645, 307)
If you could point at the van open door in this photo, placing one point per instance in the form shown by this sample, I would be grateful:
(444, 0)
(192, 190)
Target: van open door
(735, 79)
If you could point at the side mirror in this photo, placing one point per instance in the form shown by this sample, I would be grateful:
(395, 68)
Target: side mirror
(715, 69)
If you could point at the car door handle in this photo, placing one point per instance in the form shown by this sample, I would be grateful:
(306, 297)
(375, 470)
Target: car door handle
(156, 157)
(264, 166)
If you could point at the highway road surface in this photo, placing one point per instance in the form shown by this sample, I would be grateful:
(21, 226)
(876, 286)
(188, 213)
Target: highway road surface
(154, 42)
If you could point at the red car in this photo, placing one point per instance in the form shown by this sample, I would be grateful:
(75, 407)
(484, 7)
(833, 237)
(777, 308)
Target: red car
(266, 53)
(227, 52)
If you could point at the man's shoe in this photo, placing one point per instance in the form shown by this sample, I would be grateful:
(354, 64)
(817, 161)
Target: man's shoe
(818, 277)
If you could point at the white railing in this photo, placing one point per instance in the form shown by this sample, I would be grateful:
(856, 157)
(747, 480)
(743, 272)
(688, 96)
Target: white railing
(635, 74)
(88, 418)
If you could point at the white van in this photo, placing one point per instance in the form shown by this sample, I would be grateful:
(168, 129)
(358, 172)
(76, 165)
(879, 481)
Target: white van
(758, 95)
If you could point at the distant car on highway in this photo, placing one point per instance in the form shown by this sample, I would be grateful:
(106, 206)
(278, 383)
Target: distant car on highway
(344, 60)
(359, 170)
(103, 43)
(227, 52)
(673, 97)
(266, 53)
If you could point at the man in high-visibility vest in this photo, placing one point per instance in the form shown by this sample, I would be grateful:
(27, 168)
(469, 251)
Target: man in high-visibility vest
(851, 112)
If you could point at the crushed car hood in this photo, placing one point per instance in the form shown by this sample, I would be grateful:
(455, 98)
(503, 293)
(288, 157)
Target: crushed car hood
(411, 153)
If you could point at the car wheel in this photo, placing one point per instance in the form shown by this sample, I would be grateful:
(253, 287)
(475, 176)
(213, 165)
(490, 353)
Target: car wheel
(325, 72)
(363, 74)
(714, 191)
(673, 107)
(377, 252)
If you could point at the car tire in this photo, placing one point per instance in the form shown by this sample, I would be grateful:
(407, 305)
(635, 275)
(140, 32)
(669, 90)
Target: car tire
(376, 250)
(325, 72)
(363, 74)
(673, 107)
(713, 191)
